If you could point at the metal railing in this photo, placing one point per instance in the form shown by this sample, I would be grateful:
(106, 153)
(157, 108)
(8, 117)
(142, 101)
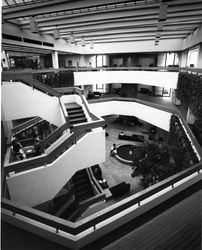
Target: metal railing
(78, 69)
(30, 81)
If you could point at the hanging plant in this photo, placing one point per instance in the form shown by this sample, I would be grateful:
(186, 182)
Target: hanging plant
(181, 148)
(189, 92)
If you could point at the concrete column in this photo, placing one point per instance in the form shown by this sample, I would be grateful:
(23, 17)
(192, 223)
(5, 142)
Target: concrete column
(4, 60)
(199, 63)
(55, 60)
(8, 125)
(105, 60)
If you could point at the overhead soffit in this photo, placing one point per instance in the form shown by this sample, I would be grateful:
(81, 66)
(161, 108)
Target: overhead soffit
(107, 21)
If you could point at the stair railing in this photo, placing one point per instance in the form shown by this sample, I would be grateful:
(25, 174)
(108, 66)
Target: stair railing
(44, 159)
(26, 125)
(29, 80)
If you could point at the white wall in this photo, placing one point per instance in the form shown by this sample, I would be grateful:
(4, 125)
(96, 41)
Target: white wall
(194, 38)
(183, 59)
(42, 184)
(161, 79)
(161, 61)
(21, 101)
(71, 99)
(154, 116)
(199, 64)
(133, 47)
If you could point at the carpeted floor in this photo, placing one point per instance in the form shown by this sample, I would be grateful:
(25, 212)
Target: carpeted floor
(113, 170)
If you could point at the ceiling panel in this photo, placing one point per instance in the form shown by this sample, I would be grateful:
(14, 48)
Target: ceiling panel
(107, 20)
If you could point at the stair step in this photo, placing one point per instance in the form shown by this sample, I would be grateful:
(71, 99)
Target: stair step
(72, 116)
(78, 120)
(75, 112)
(84, 186)
(74, 109)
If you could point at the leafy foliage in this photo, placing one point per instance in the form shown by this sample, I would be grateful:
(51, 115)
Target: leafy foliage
(156, 166)
(189, 91)
(162, 161)
(182, 150)
(57, 79)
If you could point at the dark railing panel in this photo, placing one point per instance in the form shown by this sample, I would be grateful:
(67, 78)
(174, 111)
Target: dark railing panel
(54, 135)
(25, 125)
(24, 165)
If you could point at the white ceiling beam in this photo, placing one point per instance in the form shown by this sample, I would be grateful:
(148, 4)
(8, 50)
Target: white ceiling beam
(62, 5)
(73, 20)
(118, 29)
(112, 15)
(130, 35)
(56, 6)
(135, 39)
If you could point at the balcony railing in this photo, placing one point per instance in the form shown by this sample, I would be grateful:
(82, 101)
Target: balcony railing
(77, 69)
(93, 220)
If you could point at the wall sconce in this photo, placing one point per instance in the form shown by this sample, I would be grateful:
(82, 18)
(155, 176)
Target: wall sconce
(34, 26)
(56, 34)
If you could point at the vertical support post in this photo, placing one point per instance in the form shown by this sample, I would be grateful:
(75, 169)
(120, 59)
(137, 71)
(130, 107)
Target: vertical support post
(55, 60)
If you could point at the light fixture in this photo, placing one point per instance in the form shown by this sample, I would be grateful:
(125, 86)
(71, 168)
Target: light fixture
(91, 45)
(83, 43)
(71, 38)
(160, 26)
(158, 34)
(56, 34)
(34, 26)
(163, 12)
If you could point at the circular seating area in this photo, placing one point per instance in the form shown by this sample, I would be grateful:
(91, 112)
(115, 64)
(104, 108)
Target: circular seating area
(129, 153)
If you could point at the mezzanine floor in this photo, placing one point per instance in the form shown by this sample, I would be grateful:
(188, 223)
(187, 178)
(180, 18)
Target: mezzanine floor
(164, 101)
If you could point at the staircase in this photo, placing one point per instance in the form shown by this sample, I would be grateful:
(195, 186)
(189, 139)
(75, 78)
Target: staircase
(82, 186)
(75, 113)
